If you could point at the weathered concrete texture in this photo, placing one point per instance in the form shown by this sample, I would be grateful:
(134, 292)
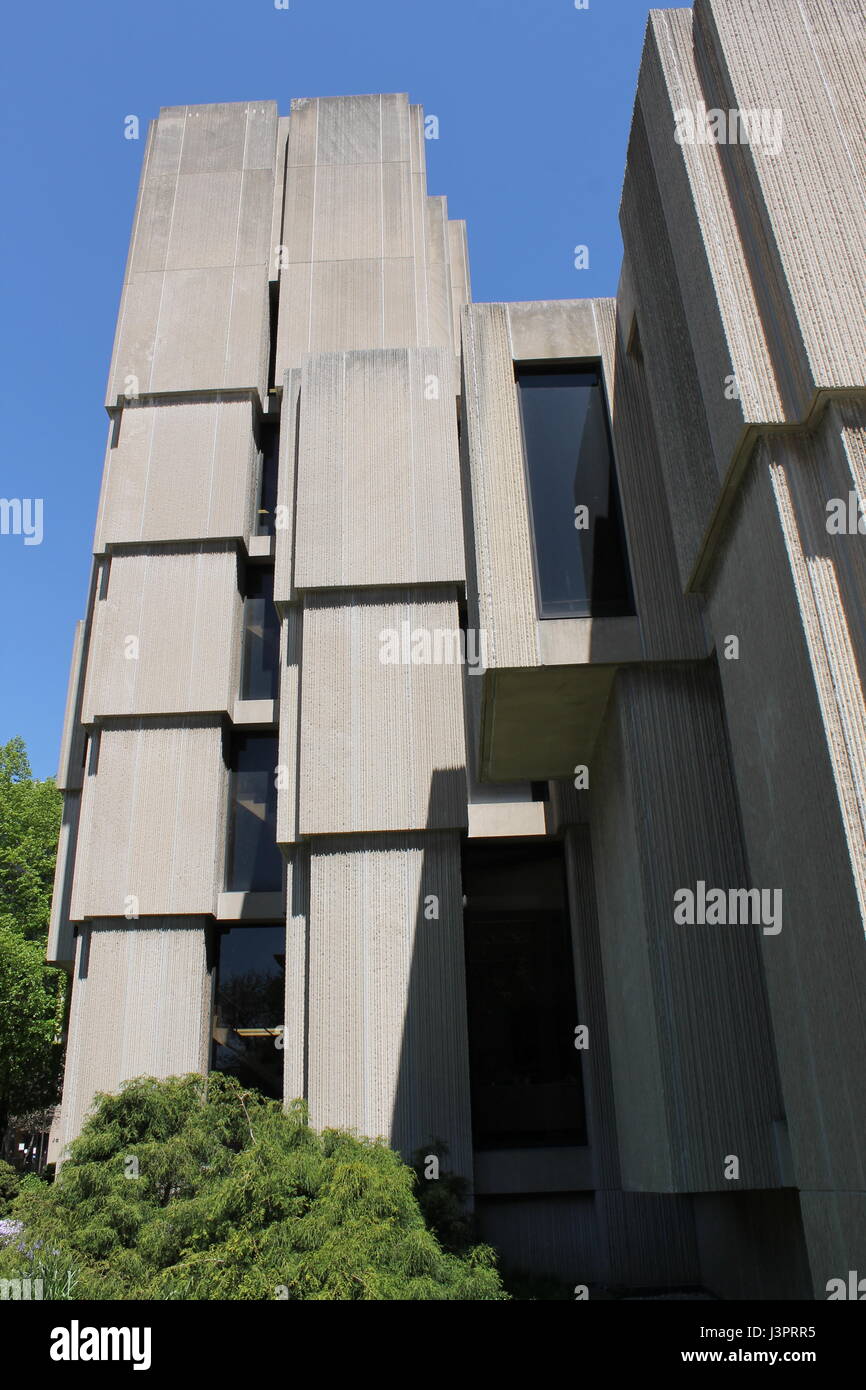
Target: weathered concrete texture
(366, 255)
(153, 819)
(287, 479)
(141, 999)
(70, 763)
(794, 706)
(179, 470)
(503, 550)
(166, 634)
(387, 1020)
(382, 743)
(691, 1049)
(194, 309)
(61, 945)
(377, 425)
(296, 1013)
(800, 205)
(290, 725)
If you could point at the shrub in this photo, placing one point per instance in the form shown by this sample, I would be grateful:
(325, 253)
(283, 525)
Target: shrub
(195, 1188)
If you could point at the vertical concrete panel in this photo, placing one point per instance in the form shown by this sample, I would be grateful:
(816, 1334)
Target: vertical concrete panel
(375, 426)
(388, 1049)
(153, 819)
(194, 308)
(382, 743)
(141, 998)
(503, 547)
(166, 636)
(180, 470)
(297, 975)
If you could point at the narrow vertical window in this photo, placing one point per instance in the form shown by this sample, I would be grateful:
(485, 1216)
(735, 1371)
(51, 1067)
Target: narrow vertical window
(255, 864)
(580, 556)
(261, 644)
(267, 508)
(249, 1003)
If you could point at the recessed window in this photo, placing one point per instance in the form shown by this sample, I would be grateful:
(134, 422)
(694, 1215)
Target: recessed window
(266, 519)
(249, 1005)
(524, 1070)
(261, 645)
(580, 558)
(255, 864)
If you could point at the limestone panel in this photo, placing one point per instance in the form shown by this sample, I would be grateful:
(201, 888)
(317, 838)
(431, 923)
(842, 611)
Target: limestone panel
(166, 634)
(382, 742)
(194, 308)
(153, 820)
(179, 471)
(378, 428)
(387, 1041)
(140, 1007)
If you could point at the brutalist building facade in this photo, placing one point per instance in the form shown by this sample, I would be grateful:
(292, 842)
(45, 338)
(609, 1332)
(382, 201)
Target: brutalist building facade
(467, 729)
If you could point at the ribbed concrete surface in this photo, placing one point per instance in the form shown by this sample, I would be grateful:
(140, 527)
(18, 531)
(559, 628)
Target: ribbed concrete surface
(367, 253)
(287, 476)
(69, 762)
(182, 470)
(794, 708)
(141, 1003)
(809, 195)
(179, 611)
(382, 746)
(61, 946)
(387, 1039)
(153, 817)
(290, 725)
(691, 1050)
(503, 550)
(194, 309)
(295, 1060)
(377, 425)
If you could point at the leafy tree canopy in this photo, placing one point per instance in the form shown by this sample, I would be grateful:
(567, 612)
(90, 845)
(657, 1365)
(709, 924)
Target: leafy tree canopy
(30, 813)
(195, 1188)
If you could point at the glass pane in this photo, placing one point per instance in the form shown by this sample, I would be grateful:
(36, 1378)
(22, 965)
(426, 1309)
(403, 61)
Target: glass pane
(249, 1006)
(525, 1074)
(579, 551)
(267, 511)
(255, 863)
(261, 650)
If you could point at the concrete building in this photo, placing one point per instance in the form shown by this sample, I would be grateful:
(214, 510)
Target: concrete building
(467, 729)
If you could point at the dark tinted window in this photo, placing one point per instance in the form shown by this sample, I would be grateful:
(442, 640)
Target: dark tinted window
(524, 1070)
(261, 648)
(267, 510)
(249, 1004)
(255, 863)
(581, 569)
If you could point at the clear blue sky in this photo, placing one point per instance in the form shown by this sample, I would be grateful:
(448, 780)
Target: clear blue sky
(534, 100)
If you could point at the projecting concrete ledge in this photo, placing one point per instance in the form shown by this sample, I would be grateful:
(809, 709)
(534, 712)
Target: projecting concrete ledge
(258, 907)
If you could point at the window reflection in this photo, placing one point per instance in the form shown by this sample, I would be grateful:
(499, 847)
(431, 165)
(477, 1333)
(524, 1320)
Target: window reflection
(255, 863)
(261, 643)
(249, 1003)
(580, 558)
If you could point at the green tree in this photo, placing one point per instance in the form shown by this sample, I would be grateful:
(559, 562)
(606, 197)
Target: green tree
(30, 813)
(194, 1188)
(32, 994)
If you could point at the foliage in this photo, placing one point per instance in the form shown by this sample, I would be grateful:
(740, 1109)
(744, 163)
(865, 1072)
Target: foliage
(236, 1199)
(32, 998)
(10, 1181)
(30, 813)
(32, 994)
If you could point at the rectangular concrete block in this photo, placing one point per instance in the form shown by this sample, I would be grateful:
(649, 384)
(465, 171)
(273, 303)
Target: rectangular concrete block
(141, 1000)
(382, 744)
(166, 633)
(153, 820)
(374, 425)
(184, 470)
(388, 1049)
